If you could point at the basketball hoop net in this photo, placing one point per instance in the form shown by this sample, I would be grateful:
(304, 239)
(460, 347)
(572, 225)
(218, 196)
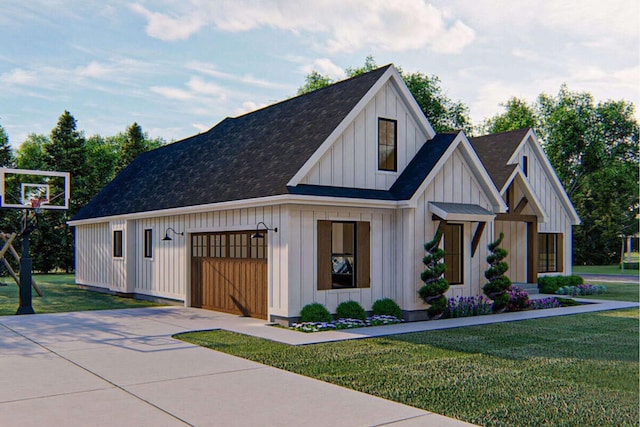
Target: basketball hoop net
(36, 204)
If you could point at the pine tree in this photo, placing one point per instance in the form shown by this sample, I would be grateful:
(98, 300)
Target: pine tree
(134, 145)
(498, 284)
(434, 284)
(6, 154)
(66, 152)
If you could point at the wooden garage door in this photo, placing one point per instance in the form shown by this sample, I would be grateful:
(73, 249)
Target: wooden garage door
(229, 273)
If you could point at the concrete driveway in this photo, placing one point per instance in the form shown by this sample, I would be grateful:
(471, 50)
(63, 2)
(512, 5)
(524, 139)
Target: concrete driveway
(121, 367)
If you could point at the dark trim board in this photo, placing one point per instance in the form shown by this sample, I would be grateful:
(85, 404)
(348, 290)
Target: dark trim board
(134, 295)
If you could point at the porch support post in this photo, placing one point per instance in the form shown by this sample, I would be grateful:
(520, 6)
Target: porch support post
(476, 237)
(532, 254)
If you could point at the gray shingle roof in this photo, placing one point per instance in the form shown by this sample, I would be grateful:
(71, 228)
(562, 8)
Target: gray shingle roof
(495, 150)
(406, 184)
(250, 156)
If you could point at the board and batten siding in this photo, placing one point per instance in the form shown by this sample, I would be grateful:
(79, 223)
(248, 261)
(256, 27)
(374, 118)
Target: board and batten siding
(352, 160)
(559, 220)
(167, 273)
(94, 255)
(454, 183)
(301, 261)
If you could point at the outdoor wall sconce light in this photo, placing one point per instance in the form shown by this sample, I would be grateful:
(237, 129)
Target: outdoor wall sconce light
(258, 235)
(166, 237)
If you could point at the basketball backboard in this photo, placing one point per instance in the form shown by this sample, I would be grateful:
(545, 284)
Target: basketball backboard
(27, 189)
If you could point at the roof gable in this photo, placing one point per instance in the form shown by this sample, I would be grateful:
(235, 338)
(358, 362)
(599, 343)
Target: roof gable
(250, 156)
(500, 155)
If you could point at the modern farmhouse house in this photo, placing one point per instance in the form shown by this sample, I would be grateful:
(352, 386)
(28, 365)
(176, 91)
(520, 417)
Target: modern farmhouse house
(325, 197)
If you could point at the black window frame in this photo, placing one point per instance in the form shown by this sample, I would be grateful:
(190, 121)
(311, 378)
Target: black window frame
(117, 243)
(229, 245)
(386, 167)
(525, 165)
(148, 243)
(544, 241)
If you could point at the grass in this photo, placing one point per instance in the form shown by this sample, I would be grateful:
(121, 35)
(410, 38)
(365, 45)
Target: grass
(603, 269)
(60, 294)
(617, 292)
(569, 370)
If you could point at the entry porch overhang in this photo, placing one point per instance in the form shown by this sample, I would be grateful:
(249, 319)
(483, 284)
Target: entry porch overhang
(461, 212)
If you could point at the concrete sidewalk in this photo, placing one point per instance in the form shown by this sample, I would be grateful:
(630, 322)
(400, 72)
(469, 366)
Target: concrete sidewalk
(121, 367)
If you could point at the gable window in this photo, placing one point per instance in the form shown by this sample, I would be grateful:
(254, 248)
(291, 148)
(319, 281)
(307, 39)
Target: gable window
(453, 243)
(525, 165)
(550, 253)
(387, 144)
(117, 243)
(343, 255)
(148, 243)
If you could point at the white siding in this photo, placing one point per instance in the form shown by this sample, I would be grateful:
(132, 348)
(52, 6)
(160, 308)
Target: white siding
(94, 255)
(302, 257)
(352, 160)
(167, 273)
(454, 183)
(559, 220)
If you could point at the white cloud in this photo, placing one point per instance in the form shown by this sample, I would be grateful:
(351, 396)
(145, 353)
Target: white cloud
(247, 107)
(201, 127)
(19, 77)
(172, 92)
(248, 79)
(325, 67)
(200, 87)
(164, 27)
(95, 70)
(346, 26)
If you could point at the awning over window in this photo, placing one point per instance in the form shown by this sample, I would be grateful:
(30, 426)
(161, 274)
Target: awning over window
(461, 212)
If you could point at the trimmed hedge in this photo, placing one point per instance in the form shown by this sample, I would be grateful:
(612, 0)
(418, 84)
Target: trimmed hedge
(350, 310)
(551, 284)
(387, 307)
(315, 312)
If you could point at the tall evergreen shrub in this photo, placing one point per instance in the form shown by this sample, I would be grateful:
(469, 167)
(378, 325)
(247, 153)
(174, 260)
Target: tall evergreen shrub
(498, 284)
(432, 292)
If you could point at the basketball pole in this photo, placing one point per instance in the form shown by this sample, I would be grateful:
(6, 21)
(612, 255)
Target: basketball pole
(25, 269)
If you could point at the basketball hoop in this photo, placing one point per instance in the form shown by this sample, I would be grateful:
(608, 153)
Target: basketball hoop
(36, 204)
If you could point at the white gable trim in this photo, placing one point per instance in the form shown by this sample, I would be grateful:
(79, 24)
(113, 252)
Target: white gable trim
(390, 75)
(476, 166)
(548, 168)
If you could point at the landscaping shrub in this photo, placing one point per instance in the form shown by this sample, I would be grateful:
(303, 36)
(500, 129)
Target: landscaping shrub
(498, 283)
(315, 312)
(387, 307)
(518, 299)
(467, 306)
(582, 290)
(551, 284)
(351, 310)
(435, 285)
(542, 303)
(548, 284)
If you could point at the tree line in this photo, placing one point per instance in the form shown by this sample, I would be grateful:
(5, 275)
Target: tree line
(593, 147)
(92, 162)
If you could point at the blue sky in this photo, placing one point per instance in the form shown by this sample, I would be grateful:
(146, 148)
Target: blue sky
(179, 67)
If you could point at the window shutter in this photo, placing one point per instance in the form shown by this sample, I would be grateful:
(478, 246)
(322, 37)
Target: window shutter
(324, 255)
(363, 262)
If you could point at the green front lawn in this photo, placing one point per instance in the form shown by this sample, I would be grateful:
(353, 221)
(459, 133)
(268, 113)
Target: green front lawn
(616, 292)
(60, 294)
(570, 370)
(603, 269)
